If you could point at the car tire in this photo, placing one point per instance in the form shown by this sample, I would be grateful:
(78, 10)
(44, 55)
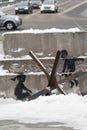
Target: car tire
(41, 12)
(10, 25)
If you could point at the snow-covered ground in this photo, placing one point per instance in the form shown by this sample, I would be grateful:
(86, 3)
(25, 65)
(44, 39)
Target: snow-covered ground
(70, 110)
(52, 30)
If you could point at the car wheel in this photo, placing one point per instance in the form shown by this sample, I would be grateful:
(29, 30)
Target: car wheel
(41, 12)
(10, 25)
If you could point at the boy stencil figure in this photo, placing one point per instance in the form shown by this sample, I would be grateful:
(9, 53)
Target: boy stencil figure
(69, 66)
(20, 87)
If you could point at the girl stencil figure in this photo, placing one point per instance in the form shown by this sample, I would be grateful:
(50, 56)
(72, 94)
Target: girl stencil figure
(20, 88)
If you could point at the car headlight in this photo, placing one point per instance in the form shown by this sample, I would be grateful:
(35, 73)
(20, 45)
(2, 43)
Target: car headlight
(42, 7)
(52, 7)
(17, 19)
(26, 8)
(16, 8)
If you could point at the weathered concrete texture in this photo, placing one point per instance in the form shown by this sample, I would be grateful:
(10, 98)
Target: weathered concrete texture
(25, 65)
(1, 46)
(83, 83)
(33, 82)
(48, 43)
(18, 44)
(35, 79)
(36, 83)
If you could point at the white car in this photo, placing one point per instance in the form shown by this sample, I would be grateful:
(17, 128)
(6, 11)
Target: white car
(49, 6)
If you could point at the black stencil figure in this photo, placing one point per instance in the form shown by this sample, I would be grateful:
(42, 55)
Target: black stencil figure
(20, 88)
(69, 66)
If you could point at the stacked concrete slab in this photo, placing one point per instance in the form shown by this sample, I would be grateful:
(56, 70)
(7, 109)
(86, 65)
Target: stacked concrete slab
(44, 45)
(48, 43)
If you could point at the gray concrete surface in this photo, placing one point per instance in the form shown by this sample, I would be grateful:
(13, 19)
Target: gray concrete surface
(48, 43)
(83, 84)
(35, 80)
(1, 46)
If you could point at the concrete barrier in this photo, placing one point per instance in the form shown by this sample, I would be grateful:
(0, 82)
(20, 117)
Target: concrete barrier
(19, 44)
(33, 82)
(36, 83)
(83, 83)
(48, 43)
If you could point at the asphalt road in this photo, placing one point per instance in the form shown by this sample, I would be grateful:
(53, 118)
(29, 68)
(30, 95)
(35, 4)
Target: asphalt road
(68, 17)
(72, 13)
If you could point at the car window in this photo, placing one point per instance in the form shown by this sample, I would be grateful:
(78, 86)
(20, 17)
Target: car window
(22, 4)
(48, 2)
(35, 0)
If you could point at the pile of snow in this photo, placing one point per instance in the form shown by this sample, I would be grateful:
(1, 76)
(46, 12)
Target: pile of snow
(11, 0)
(52, 30)
(70, 110)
